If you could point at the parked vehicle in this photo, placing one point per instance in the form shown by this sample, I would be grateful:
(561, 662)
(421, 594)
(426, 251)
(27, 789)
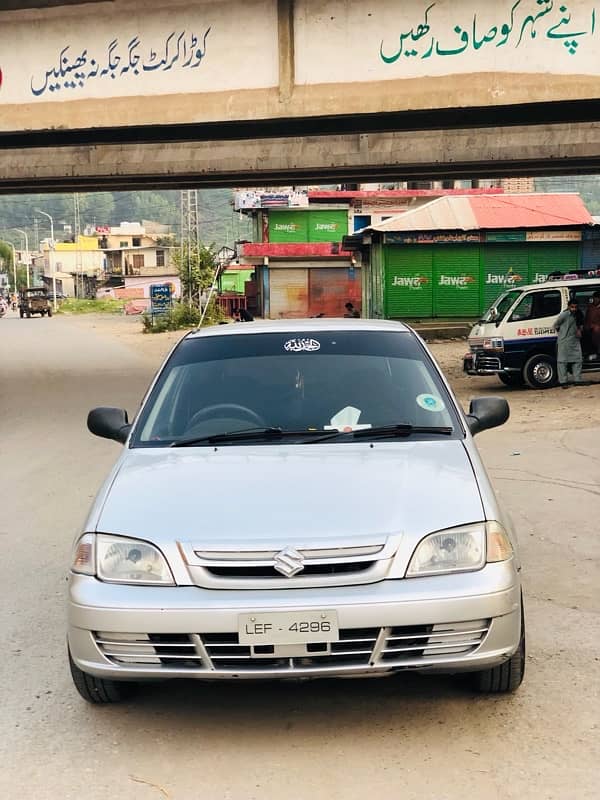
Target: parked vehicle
(516, 340)
(365, 537)
(34, 301)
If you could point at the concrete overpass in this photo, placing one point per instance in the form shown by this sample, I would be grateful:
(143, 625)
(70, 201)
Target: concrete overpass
(125, 93)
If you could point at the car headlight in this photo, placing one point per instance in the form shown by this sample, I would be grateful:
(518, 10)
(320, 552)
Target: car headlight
(463, 549)
(116, 559)
(495, 343)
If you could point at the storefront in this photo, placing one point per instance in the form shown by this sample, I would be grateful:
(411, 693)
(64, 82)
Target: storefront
(437, 277)
(296, 290)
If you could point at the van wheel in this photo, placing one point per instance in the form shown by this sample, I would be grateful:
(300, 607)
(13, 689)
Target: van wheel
(508, 676)
(49, 312)
(511, 378)
(540, 372)
(98, 690)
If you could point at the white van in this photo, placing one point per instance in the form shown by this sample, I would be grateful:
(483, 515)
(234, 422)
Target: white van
(516, 340)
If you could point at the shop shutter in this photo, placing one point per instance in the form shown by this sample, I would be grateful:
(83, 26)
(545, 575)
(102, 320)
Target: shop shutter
(503, 266)
(408, 281)
(327, 226)
(330, 289)
(456, 276)
(548, 257)
(590, 256)
(288, 292)
(288, 226)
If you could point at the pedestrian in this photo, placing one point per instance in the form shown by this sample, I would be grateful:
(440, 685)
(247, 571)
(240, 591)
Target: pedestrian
(351, 311)
(569, 326)
(242, 315)
(591, 324)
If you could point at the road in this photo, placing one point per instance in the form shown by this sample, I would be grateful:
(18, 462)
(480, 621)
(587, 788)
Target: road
(408, 736)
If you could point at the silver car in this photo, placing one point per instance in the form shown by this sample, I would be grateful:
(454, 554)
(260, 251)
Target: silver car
(297, 499)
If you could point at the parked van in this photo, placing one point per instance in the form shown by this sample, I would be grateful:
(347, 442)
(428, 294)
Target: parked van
(516, 340)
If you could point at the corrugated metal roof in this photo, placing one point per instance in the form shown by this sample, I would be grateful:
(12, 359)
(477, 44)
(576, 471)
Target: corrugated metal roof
(445, 214)
(492, 212)
(530, 211)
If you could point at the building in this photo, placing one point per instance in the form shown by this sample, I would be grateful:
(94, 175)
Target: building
(133, 251)
(453, 256)
(77, 266)
(300, 264)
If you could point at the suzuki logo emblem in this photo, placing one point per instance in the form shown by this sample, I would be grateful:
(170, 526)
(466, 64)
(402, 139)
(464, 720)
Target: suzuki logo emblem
(289, 562)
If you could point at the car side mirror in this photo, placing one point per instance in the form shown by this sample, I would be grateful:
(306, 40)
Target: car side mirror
(109, 423)
(487, 412)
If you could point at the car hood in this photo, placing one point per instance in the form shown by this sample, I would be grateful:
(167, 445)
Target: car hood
(287, 494)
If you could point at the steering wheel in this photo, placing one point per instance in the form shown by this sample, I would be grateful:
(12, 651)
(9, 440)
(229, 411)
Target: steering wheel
(233, 410)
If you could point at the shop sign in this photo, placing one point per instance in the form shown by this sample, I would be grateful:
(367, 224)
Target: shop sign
(509, 279)
(425, 237)
(456, 281)
(410, 281)
(553, 236)
(505, 236)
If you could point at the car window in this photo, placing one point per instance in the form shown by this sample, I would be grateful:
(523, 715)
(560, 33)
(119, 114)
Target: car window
(537, 305)
(293, 381)
(501, 306)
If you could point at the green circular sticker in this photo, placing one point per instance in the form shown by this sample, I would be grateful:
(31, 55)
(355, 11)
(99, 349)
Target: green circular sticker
(430, 402)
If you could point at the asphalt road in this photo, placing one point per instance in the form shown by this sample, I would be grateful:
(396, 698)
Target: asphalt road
(407, 737)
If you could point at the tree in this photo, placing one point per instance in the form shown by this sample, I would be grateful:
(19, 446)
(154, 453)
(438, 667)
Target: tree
(197, 268)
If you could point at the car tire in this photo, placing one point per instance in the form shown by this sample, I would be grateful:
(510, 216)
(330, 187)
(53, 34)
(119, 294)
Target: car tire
(511, 378)
(99, 691)
(49, 312)
(540, 372)
(506, 677)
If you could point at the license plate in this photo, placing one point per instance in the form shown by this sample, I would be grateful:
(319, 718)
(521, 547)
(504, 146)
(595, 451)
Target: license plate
(288, 627)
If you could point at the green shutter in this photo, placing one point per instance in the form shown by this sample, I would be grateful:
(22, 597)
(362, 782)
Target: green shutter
(408, 281)
(327, 226)
(288, 226)
(456, 280)
(548, 257)
(503, 266)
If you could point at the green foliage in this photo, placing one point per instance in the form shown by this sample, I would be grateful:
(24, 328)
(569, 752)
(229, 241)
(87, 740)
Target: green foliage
(217, 220)
(104, 306)
(182, 316)
(196, 267)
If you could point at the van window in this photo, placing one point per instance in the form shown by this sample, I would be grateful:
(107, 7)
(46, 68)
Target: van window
(583, 295)
(537, 305)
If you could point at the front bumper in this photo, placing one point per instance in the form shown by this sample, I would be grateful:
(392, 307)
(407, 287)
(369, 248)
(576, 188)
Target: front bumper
(485, 363)
(454, 623)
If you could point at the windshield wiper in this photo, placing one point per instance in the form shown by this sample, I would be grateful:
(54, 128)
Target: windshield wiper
(248, 434)
(386, 432)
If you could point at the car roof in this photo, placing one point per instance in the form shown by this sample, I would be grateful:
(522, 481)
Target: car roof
(556, 284)
(314, 325)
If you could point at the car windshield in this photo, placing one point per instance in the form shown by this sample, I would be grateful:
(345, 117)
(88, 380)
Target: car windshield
(501, 306)
(296, 383)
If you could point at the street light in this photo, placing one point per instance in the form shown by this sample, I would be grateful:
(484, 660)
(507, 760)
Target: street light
(52, 262)
(27, 264)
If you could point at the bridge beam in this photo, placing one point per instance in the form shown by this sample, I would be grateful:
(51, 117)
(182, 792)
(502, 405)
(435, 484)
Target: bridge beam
(565, 148)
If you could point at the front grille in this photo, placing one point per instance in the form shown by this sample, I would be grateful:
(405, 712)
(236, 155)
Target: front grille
(487, 363)
(353, 649)
(357, 648)
(333, 562)
(139, 649)
(271, 572)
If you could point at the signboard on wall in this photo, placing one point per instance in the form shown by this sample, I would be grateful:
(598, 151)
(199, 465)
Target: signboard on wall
(553, 236)
(425, 237)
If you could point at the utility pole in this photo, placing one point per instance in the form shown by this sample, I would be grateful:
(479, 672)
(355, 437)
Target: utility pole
(78, 257)
(27, 259)
(51, 259)
(190, 233)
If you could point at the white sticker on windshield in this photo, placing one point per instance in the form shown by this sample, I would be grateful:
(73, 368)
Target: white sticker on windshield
(302, 345)
(430, 402)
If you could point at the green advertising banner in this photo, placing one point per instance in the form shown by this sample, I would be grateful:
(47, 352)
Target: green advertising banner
(503, 267)
(408, 287)
(288, 226)
(327, 226)
(456, 280)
